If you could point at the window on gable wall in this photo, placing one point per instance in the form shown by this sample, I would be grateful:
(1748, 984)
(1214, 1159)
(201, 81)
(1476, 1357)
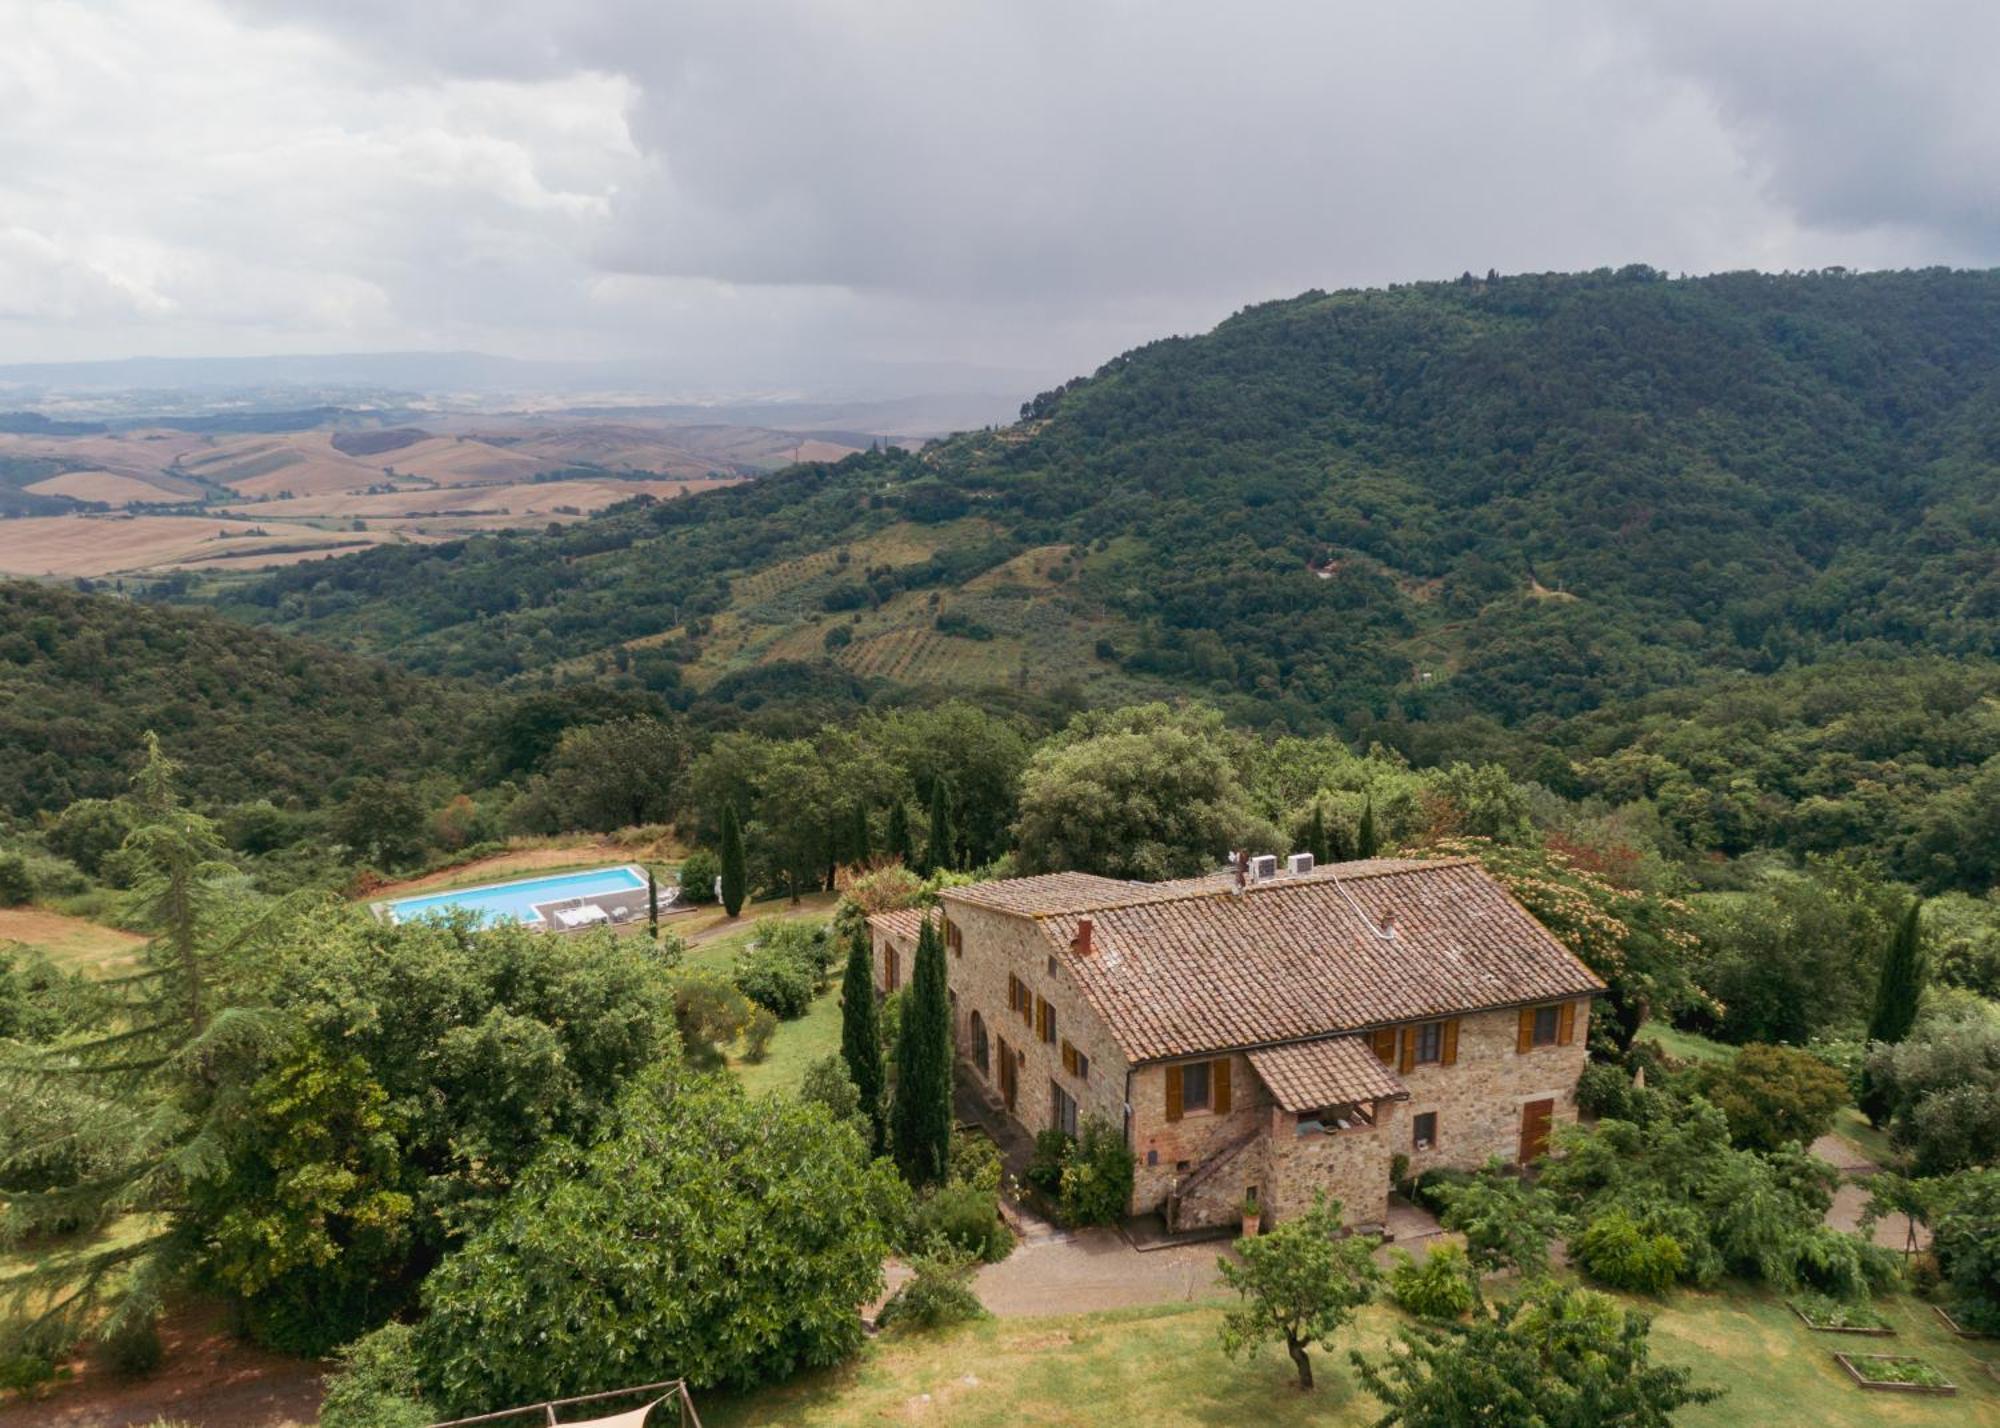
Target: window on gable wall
(1430, 1043)
(1424, 1131)
(1194, 1086)
(1062, 1110)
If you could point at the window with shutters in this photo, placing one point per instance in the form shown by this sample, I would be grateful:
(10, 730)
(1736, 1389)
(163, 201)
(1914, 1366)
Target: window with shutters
(1430, 1043)
(1424, 1131)
(1384, 1041)
(1045, 1020)
(1195, 1086)
(1546, 1021)
(1075, 1062)
(1062, 1110)
(1020, 999)
(953, 937)
(892, 976)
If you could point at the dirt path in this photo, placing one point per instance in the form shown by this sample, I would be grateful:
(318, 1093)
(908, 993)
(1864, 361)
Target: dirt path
(209, 1379)
(1850, 1200)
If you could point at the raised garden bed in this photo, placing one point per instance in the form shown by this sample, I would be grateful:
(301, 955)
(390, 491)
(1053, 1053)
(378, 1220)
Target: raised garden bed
(1896, 1373)
(1957, 1328)
(1832, 1316)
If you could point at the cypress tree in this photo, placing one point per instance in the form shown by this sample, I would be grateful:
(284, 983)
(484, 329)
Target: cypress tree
(1366, 842)
(1897, 991)
(920, 1120)
(652, 904)
(861, 1033)
(735, 877)
(1316, 840)
(859, 849)
(900, 846)
(939, 854)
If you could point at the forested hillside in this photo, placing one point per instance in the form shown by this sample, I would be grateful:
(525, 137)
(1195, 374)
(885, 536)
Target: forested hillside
(255, 715)
(1505, 498)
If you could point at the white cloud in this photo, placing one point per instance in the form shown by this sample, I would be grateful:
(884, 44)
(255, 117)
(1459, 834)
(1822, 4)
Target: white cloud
(742, 186)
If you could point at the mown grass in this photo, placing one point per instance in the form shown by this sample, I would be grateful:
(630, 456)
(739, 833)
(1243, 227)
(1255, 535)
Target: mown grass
(1686, 1045)
(1162, 1366)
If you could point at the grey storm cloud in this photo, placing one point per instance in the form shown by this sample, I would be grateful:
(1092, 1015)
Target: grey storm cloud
(1024, 183)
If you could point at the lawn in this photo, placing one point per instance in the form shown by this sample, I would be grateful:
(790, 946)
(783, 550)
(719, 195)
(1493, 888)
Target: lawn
(74, 942)
(1685, 1045)
(1161, 1366)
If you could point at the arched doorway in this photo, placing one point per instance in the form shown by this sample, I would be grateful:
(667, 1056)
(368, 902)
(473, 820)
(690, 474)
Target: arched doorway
(979, 1042)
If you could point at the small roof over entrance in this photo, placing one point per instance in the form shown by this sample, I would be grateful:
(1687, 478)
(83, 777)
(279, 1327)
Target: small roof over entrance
(1333, 1071)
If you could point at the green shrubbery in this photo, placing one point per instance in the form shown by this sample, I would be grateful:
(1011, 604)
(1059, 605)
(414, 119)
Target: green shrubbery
(697, 876)
(938, 1294)
(1442, 1285)
(786, 967)
(1627, 1254)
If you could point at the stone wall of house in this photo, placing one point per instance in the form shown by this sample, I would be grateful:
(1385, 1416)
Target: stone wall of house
(1169, 1151)
(1479, 1100)
(1350, 1166)
(992, 945)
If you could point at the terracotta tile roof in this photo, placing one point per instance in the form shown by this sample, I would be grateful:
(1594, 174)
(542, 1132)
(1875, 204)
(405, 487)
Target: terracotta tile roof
(1309, 1075)
(1182, 969)
(903, 924)
(1045, 893)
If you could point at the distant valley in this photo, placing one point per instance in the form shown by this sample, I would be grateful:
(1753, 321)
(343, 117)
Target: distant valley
(87, 499)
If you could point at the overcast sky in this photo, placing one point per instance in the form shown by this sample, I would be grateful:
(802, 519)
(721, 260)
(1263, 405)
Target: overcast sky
(749, 190)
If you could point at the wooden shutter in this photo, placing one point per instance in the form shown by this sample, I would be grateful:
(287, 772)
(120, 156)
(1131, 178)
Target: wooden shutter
(1566, 1024)
(1069, 1058)
(1218, 1085)
(1173, 1093)
(1449, 1052)
(1409, 1057)
(1524, 1037)
(1384, 1039)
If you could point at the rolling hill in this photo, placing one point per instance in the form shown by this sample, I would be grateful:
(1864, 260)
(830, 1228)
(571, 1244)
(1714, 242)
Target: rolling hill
(1514, 499)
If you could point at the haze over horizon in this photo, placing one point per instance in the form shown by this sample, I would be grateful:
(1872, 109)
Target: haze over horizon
(796, 195)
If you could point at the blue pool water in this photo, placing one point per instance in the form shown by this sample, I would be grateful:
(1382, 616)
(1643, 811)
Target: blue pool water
(501, 902)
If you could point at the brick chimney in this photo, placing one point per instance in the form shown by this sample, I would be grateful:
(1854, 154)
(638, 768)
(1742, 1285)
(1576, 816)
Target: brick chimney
(1388, 924)
(1080, 944)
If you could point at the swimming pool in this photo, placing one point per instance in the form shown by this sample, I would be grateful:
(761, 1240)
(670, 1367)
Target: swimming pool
(517, 901)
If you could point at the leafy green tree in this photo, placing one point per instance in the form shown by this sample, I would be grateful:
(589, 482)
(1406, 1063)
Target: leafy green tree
(1298, 1285)
(1772, 1095)
(734, 870)
(979, 754)
(632, 1260)
(89, 831)
(310, 1225)
(1898, 989)
(1508, 1222)
(17, 883)
(1942, 1084)
(860, 1035)
(1794, 960)
(920, 1115)
(1144, 792)
(382, 820)
(617, 773)
(1565, 1357)
(940, 847)
(1967, 1243)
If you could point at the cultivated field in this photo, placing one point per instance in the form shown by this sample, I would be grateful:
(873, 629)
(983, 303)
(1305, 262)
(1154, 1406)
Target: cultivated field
(114, 545)
(479, 474)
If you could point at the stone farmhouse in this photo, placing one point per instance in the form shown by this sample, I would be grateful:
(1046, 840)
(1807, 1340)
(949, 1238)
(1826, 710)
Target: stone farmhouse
(1266, 1034)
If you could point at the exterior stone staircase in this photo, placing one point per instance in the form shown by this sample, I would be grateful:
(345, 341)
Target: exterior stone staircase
(1190, 1185)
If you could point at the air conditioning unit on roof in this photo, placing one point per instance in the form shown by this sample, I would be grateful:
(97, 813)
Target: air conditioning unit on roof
(1263, 866)
(1299, 863)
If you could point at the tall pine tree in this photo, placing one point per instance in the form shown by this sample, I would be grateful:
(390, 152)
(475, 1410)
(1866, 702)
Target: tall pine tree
(920, 1120)
(861, 1034)
(136, 1112)
(940, 852)
(1898, 988)
(735, 872)
(1366, 842)
(900, 845)
(860, 847)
